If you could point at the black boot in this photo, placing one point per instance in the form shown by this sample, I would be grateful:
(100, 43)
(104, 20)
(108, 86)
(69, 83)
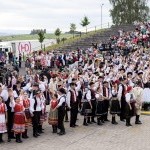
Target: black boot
(55, 129)
(88, 120)
(84, 122)
(40, 129)
(102, 119)
(128, 122)
(137, 121)
(1, 138)
(114, 120)
(18, 140)
(99, 121)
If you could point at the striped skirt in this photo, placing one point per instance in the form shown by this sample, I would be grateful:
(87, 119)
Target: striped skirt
(53, 117)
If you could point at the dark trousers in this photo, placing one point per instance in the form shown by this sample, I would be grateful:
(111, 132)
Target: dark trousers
(73, 114)
(10, 121)
(61, 115)
(123, 109)
(106, 106)
(66, 114)
(93, 102)
(36, 121)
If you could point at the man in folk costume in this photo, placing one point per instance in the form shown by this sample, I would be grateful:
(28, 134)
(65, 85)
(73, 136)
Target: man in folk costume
(35, 110)
(137, 91)
(121, 96)
(106, 95)
(26, 104)
(140, 79)
(10, 115)
(61, 110)
(93, 102)
(72, 99)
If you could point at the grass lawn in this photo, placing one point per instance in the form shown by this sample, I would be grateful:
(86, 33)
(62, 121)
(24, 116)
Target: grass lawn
(31, 37)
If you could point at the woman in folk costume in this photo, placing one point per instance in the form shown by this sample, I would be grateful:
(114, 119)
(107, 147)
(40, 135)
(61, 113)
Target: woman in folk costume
(137, 91)
(114, 103)
(130, 105)
(53, 114)
(43, 116)
(26, 104)
(100, 112)
(3, 119)
(19, 118)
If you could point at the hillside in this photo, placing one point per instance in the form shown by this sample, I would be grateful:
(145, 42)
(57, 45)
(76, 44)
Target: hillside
(31, 37)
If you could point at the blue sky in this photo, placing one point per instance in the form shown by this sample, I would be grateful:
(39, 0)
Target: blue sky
(50, 14)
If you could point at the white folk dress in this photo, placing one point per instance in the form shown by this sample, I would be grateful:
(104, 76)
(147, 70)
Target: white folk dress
(3, 110)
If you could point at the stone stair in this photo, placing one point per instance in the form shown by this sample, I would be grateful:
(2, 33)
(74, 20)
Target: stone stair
(97, 37)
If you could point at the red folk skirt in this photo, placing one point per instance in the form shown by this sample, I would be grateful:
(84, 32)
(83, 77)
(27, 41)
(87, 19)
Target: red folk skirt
(19, 122)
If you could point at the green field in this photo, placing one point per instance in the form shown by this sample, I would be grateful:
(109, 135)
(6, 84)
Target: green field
(31, 37)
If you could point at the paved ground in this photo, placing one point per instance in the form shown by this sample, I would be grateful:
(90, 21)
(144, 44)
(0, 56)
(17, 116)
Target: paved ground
(93, 137)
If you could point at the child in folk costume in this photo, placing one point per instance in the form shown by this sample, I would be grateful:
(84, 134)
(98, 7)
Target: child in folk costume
(3, 119)
(26, 104)
(53, 114)
(100, 112)
(114, 104)
(130, 105)
(19, 118)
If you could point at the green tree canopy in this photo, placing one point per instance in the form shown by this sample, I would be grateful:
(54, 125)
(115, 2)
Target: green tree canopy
(128, 11)
(58, 33)
(41, 37)
(85, 22)
(72, 28)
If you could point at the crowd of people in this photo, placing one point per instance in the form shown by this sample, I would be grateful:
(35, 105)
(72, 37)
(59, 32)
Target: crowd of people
(79, 82)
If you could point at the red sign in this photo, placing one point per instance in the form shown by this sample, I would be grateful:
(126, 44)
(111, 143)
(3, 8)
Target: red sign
(24, 47)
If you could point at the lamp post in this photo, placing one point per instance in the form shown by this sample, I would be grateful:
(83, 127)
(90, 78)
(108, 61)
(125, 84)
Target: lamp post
(101, 15)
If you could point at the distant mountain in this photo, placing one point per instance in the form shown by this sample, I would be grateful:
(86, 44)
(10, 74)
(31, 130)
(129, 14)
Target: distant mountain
(13, 32)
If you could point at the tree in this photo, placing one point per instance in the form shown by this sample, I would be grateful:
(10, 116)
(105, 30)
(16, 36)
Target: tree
(72, 28)
(128, 11)
(41, 37)
(85, 22)
(58, 33)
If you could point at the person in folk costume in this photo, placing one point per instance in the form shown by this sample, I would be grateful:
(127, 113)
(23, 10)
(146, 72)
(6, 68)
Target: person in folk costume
(140, 79)
(100, 111)
(121, 96)
(72, 99)
(26, 104)
(91, 94)
(61, 110)
(17, 89)
(146, 96)
(130, 105)
(53, 114)
(86, 106)
(130, 79)
(114, 103)
(35, 110)
(10, 116)
(43, 116)
(3, 119)
(137, 91)
(106, 95)
(19, 118)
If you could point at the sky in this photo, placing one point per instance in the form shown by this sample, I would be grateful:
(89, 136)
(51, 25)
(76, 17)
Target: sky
(25, 15)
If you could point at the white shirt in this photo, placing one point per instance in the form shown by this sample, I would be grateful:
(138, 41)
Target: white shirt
(39, 106)
(4, 95)
(62, 99)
